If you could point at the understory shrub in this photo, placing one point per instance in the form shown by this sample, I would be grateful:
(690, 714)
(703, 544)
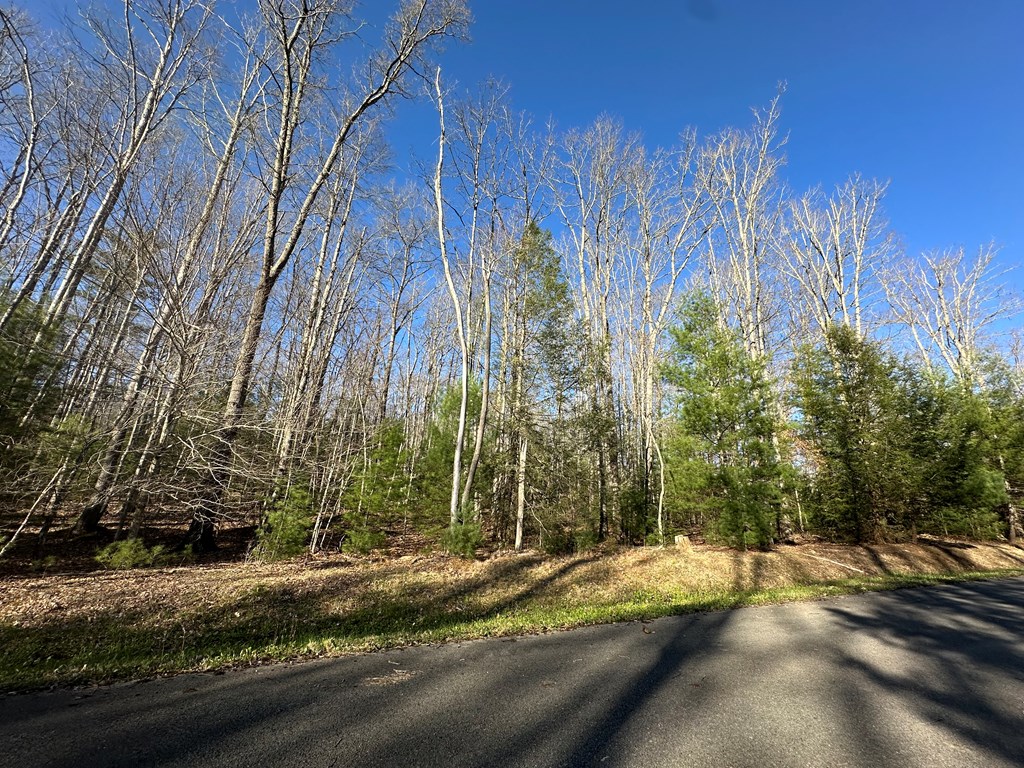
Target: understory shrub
(566, 540)
(133, 553)
(362, 541)
(286, 527)
(462, 540)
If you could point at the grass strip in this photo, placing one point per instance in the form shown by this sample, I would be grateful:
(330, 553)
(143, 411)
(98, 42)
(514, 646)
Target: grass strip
(267, 625)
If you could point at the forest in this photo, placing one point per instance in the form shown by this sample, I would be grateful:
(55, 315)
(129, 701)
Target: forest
(226, 303)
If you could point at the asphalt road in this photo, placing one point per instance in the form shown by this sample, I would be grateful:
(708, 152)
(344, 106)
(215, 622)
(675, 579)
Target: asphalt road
(924, 677)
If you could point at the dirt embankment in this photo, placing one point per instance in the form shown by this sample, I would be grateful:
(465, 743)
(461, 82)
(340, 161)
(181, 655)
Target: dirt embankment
(344, 582)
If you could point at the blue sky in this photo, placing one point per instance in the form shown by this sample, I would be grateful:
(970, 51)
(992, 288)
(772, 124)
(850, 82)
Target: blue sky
(927, 93)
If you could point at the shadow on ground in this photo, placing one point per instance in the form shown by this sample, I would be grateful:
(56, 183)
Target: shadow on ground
(912, 677)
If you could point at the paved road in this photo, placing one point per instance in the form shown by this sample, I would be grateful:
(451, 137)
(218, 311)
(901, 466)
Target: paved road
(925, 677)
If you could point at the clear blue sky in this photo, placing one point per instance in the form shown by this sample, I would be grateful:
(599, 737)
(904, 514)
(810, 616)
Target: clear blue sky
(927, 93)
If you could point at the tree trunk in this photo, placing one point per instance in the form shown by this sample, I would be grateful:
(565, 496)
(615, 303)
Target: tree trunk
(521, 491)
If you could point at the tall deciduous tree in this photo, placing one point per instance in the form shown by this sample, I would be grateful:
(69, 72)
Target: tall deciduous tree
(301, 31)
(949, 302)
(832, 252)
(740, 172)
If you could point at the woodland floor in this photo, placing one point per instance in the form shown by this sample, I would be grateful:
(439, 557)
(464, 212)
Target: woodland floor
(80, 627)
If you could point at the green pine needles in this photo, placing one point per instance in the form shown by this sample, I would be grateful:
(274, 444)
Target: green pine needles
(722, 451)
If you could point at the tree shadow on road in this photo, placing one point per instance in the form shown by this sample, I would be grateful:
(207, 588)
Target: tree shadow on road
(965, 644)
(583, 703)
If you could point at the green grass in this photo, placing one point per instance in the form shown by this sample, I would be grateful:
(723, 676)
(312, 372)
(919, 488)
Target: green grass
(275, 623)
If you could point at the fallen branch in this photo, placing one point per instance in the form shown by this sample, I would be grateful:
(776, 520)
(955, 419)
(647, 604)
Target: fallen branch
(834, 562)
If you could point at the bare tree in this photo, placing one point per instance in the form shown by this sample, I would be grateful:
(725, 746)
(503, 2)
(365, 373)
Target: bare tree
(460, 321)
(24, 114)
(950, 302)
(671, 225)
(301, 31)
(157, 61)
(739, 172)
(224, 153)
(833, 250)
(591, 197)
